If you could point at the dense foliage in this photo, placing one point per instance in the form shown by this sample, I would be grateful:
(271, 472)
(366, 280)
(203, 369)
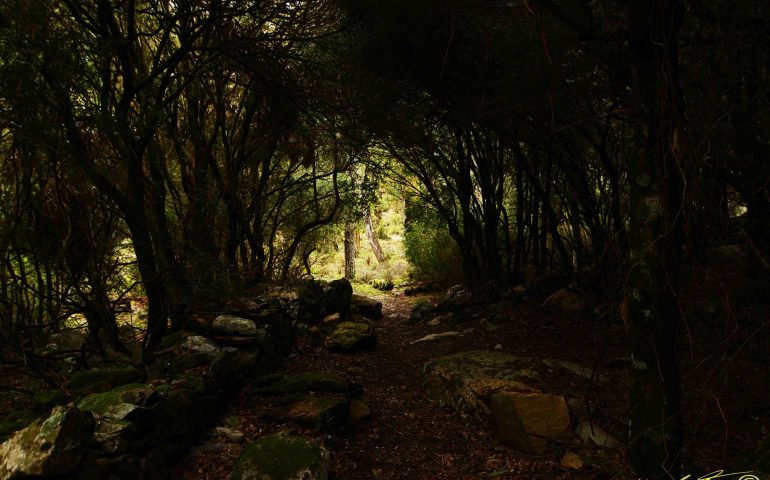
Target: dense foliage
(181, 150)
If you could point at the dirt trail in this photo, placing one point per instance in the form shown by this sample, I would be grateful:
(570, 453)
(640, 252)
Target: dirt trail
(408, 436)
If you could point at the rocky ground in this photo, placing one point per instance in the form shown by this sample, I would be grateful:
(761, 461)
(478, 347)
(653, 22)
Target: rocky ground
(408, 435)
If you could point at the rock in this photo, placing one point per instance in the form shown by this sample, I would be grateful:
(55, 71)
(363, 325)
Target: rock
(14, 421)
(350, 336)
(519, 290)
(232, 325)
(332, 319)
(434, 336)
(302, 383)
(435, 322)
(420, 310)
(499, 346)
(91, 381)
(593, 433)
(229, 368)
(231, 434)
(564, 299)
(104, 404)
(527, 420)
(67, 341)
(367, 307)
(359, 411)
(199, 344)
(336, 297)
(237, 341)
(50, 446)
(466, 381)
(457, 295)
(282, 457)
(572, 461)
(315, 412)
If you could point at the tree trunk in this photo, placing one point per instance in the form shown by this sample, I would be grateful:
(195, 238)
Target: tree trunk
(350, 251)
(651, 289)
(376, 248)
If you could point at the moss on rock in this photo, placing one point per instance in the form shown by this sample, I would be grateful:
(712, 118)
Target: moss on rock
(92, 381)
(350, 336)
(282, 457)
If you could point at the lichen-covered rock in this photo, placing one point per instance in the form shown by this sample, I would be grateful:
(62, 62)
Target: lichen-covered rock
(107, 403)
(232, 325)
(526, 421)
(466, 381)
(590, 432)
(367, 307)
(229, 367)
(99, 380)
(49, 446)
(350, 336)
(200, 344)
(282, 457)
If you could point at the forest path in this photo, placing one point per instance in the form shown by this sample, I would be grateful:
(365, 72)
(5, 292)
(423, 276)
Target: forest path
(408, 436)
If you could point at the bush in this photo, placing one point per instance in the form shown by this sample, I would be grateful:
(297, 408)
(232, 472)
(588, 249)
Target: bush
(429, 248)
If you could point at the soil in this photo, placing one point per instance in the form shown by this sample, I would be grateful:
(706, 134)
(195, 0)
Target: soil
(410, 436)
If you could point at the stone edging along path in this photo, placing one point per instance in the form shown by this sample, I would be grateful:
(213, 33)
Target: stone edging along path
(132, 424)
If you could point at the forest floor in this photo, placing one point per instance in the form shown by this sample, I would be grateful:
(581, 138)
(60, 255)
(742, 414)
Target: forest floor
(410, 436)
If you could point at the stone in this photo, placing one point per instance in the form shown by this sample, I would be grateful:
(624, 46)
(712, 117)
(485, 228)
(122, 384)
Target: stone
(466, 381)
(359, 411)
(572, 461)
(526, 421)
(104, 404)
(367, 307)
(200, 344)
(232, 341)
(14, 421)
(315, 412)
(232, 325)
(332, 319)
(282, 457)
(231, 434)
(337, 296)
(228, 368)
(351, 336)
(53, 445)
(434, 336)
(564, 299)
(590, 432)
(420, 310)
(99, 380)
(457, 295)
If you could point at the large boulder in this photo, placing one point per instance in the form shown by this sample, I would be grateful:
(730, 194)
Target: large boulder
(337, 295)
(232, 325)
(367, 307)
(200, 344)
(526, 421)
(466, 381)
(351, 336)
(282, 457)
(50, 446)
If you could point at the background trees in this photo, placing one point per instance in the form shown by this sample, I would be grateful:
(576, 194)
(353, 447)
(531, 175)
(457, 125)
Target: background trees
(197, 148)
